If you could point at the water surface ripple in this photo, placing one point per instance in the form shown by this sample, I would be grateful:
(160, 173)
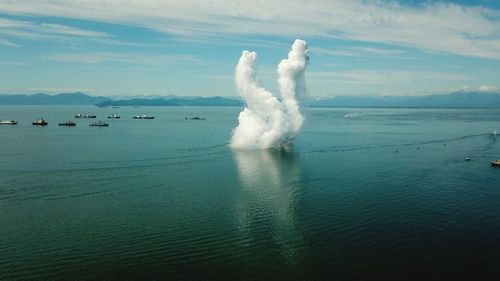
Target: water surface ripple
(366, 194)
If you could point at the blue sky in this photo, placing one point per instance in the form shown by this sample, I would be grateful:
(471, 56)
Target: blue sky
(134, 47)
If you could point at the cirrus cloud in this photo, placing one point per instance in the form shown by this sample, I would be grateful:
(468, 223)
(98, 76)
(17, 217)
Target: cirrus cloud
(433, 26)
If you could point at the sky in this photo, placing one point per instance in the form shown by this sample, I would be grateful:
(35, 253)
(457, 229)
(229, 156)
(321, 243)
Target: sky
(190, 48)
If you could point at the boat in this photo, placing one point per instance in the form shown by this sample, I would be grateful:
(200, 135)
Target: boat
(114, 116)
(40, 122)
(143, 117)
(68, 123)
(495, 162)
(467, 158)
(8, 122)
(196, 118)
(80, 115)
(99, 124)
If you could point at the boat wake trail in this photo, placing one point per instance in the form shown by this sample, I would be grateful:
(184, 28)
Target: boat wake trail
(165, 157)
(369, 147)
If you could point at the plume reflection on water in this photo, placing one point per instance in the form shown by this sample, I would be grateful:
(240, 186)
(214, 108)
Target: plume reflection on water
(271, 182)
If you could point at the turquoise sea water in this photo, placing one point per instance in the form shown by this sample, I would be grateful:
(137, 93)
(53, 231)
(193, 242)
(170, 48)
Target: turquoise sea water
(365, 194)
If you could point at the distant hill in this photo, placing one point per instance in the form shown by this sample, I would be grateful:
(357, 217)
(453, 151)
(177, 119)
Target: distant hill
(453, 100)
(175, 101)
(44, 99)
(83, 99)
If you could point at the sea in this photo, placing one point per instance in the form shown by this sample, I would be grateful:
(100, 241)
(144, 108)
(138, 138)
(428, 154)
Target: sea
(365, 194)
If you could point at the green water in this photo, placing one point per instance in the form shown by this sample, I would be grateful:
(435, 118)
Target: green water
(365, 194)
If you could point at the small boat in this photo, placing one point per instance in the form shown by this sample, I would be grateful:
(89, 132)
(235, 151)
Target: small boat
(495, 162)
(196, 118)
(99, 124)
(79, 115)
(68, 123)
(8, 122)
(143, 117)
(114, 116)
(40, 122)
(467, 158)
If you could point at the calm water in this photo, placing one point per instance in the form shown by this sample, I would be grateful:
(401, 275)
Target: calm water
(366, 194)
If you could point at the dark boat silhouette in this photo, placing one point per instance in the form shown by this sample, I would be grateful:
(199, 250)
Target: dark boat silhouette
(40, 122)
(99, 124)
(67, 123)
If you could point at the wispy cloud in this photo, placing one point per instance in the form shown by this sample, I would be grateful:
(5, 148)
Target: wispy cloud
(357, 51)
(134, 59)
(219, 77)
(379, 51)
(16, 63)
(487, 89)
(481, 89)
(8, 43)
(50, 91)
(433, 26)
(383, 77)
(71, 31)
(47, 29)
(23, 29)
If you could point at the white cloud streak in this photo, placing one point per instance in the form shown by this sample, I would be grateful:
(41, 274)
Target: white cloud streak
(383, 77)
(481, 89)
(358, 52)
(134, 59)
(433, 26)
(16, 63)
(27, 30)
(487, 89)
(14, 30)
(8, 43)
(47, 29)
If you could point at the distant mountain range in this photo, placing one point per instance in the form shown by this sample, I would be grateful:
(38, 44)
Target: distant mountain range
(44, 99)
(453, 100)
(175, 101)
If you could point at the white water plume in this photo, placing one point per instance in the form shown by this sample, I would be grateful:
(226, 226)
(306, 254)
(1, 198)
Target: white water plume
(268, 121)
